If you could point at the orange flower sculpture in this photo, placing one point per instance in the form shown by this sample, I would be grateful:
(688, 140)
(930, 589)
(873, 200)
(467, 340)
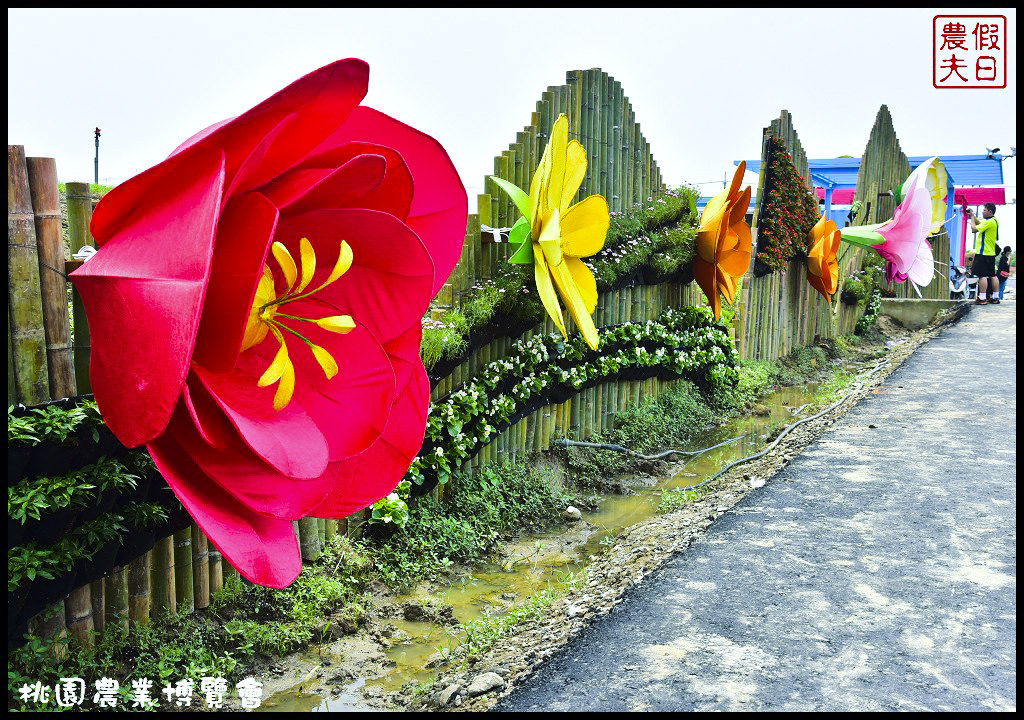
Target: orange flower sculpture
(723, 243)
(822, 265)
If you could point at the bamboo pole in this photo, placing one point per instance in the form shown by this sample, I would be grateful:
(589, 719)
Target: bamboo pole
(183, 593)
(50, 625)
(309, 539)
(116, 587)
(42, 179)
(216, 570)
(98, 596)
(78, 608)
(139, 599)
(24, 295)
(12, 383)
(200, 568)
(79, 216)
(162, 576)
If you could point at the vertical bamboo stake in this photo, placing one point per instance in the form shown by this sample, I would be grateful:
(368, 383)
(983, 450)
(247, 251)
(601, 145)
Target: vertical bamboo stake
(138, 587)
(12, 383)
(79, 217)
(183, 594)
(98, 596)
(79, 616)
(24, 296)
(309, 539)
(116, 586)
(200, 568)
(162, 576)
(42, 179)
(216, 570)
(50, 625)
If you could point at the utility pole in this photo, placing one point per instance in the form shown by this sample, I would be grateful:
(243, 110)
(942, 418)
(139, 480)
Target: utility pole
(96, 163)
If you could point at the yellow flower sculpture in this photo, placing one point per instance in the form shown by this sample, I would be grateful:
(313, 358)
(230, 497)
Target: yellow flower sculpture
(822, 265)
(560, 234)
(723, 243)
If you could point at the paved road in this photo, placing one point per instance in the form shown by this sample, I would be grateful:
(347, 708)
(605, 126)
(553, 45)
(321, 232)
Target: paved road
(876, 572)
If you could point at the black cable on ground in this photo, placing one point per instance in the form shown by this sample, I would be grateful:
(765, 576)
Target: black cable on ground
(859, 385)
(619, 448)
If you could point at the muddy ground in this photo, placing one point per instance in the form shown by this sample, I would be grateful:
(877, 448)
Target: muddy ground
(351, 655)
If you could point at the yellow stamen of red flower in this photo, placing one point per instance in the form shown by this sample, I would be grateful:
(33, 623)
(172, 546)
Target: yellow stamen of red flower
(265, 316)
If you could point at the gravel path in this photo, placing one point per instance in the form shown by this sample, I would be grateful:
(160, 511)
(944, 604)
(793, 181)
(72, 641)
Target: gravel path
(876, 571)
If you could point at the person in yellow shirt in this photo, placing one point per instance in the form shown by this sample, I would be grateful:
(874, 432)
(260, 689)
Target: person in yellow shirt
(984, 265)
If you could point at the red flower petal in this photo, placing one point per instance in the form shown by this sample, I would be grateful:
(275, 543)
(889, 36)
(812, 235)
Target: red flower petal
(372, 475)
(304, 189)
(264, 550)
(440, 206)
(244, 234)
(143, 293)
(244, 476)
(318, 102)
(288, 440)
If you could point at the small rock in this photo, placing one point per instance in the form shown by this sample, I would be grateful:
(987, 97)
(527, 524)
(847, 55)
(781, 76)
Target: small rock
(435, 660)
(485, 682)
(499, 670)
(760, 410)
(573, 514)
(872, 426)
(446, 696)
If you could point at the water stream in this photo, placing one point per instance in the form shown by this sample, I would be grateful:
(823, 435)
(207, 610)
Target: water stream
(545, 558)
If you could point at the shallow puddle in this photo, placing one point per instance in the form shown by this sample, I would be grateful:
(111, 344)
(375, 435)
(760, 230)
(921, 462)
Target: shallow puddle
(544, 559)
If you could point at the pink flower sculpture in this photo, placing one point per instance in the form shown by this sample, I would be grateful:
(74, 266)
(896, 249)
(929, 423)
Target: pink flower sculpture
(906, 247)
(255, 311)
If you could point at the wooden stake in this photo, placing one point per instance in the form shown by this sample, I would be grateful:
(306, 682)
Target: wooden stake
(116, 586)
(200, 568)
(42, 179)
(139, 602)
(78, 608)
(24, 296)
(183, 592)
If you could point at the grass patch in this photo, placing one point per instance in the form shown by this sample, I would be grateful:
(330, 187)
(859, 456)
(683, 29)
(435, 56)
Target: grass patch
(243, 623)
(478, 510)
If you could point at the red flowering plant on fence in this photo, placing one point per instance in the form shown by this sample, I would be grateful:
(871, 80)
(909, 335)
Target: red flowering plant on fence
(255, 310)
(788, 211)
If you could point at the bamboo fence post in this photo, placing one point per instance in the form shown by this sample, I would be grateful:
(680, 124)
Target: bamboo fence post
(79, 205)
(78, 608)
(42, 179)
(50, 625)
(24, 295)
(330, 529)
(116, 587)
(216, 569)
(12, 383)
(183, 592)
(200, 568)
(309, 539)
(98, 596)
(162, 576)
(139, 598)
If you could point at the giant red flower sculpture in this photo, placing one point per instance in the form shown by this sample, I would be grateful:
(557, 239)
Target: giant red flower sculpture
(255, 310)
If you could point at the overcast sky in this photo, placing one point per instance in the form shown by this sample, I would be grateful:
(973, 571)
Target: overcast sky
(703, 83)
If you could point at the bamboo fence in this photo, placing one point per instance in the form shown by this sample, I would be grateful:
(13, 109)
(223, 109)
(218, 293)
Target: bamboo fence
(620, 167)
(781, 312)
